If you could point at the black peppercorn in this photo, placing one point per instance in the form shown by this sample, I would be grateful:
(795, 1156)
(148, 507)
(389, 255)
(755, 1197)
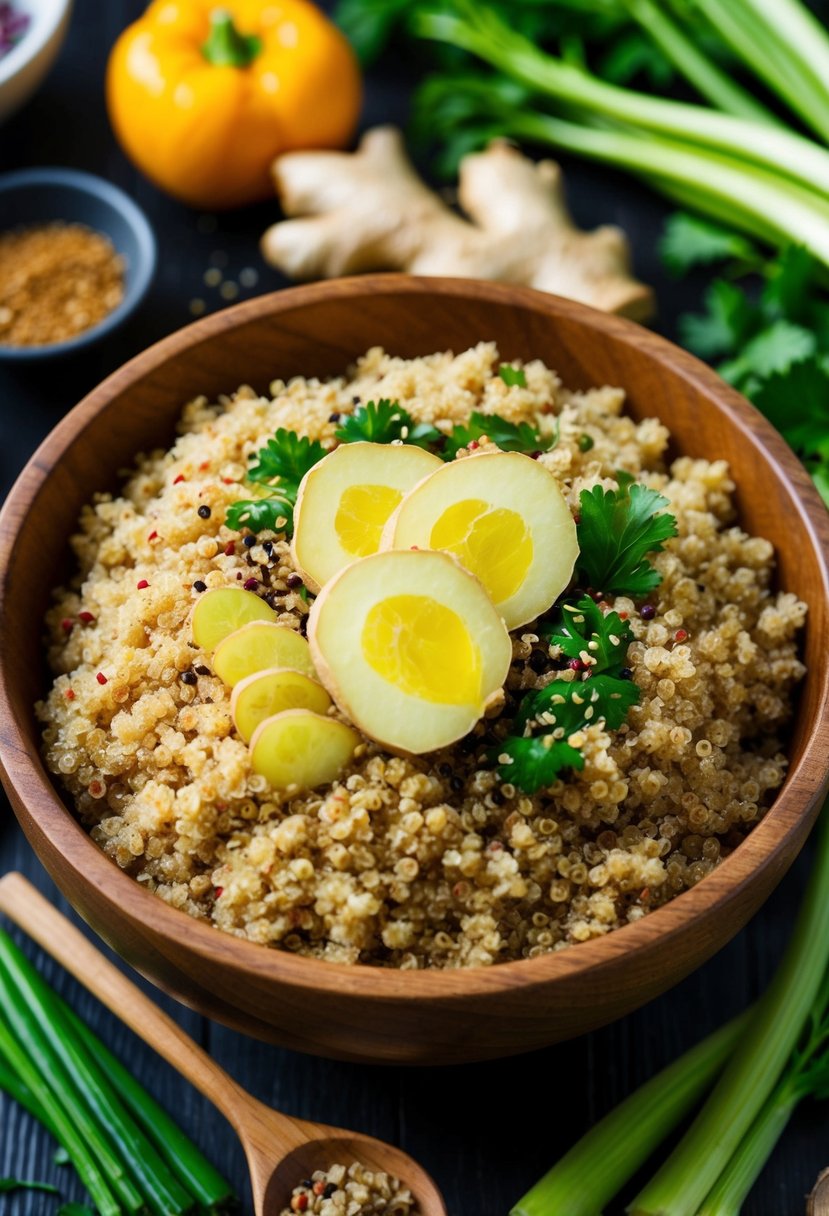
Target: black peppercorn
(647, 612)
(248, 541)
(202, 670)
(538, 661)
(199, 585)
(204, 511)
(188, 677)
(334, 417)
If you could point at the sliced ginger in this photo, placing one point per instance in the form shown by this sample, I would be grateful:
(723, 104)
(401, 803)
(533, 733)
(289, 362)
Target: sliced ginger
(301, 748)
(266, 693)
(410, 647)
(222, 611)
(257, 646)
(345, 500)
(505, 519)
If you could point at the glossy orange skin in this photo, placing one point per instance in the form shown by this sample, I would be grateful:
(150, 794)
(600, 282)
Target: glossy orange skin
(208, 134)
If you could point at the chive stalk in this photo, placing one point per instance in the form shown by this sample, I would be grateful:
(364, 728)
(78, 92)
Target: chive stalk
(19, 1092)
(693, 1169)
(71, 1131)
(147, 1177)
(192, 1169)
(592, 1172)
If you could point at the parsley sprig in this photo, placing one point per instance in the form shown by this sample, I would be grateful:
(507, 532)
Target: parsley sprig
(617, 529)
(765, 326)
(385, 422)
(508, 436)
(280, 466)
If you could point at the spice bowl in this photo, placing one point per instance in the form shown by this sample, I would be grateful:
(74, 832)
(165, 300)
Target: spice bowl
(33, 197)
(359, 1012)
(25, 64)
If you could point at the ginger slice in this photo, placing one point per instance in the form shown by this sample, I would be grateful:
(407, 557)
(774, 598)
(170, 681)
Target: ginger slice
(505, 519)
(410, 647)
(269, 692)
(369, 210)
(301, 748)
(345, 500)
(257, 646)
(223, 610)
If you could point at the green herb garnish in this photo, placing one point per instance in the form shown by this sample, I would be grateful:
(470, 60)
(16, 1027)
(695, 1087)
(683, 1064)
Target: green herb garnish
(616, 530)
(24, 1184)
(281, 465)
(508, 436)
(583, 629)
(512, 375)
(385, 422)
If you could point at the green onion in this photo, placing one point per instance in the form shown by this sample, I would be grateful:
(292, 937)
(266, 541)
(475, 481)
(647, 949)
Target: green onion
(187, 1162)
(694, 1167)
(592, 1172)
(37, 1020)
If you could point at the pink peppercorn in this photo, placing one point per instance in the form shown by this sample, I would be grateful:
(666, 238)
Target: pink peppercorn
(250, 584)
(69, 694)
(230, 548)
(299, 1203)
(576, 665)
(220, 892)
(67, 624)
(86, 617)
(141, 584)
(474, 444)
(101, 678)
(681, 635)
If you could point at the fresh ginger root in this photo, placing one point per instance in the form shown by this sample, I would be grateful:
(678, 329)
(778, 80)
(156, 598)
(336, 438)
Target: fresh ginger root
(369, 210)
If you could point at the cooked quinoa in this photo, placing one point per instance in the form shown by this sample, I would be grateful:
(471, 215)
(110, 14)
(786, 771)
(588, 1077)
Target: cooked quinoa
(356, 1191)
(428, 861)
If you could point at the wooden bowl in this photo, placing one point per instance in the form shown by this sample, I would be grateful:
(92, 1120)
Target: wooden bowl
(360, 1012)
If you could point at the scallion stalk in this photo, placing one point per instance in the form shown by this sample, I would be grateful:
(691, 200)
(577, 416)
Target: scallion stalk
(592, 1172)
(11, 1084)
(129, 1155)
(71, 1132)
(185, 1160)
(693, 1169)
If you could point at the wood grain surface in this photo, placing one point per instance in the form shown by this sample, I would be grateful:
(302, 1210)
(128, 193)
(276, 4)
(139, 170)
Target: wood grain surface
(470, 1125)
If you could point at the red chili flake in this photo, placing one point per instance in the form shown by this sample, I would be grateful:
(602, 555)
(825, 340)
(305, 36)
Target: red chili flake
(152, 536)
(86, 617)
(205, 464)
(645, 895)
(141, 584)
(623, 616)
(70, 694)
(178, 479)
(299, 1203)
(230, 548)
(415, 547)
(474, 444)
(681, 635)
(67, 624)
(318, 1187)
(220, 892)
(228, 481)
(250, 584)
(576, 665)
(101, 678)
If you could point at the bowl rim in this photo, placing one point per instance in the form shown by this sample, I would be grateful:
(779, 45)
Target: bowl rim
(45, 22)
(92, 187)
(765, 841)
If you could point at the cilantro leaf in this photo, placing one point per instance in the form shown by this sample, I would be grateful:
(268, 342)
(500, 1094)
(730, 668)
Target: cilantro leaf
(274, 514)
(508, 436)
(385, 421)
(512, 375)
(789, 279)
(286, 456)
(797, 403)
(584, 628)
(617, 529)
(721, 329)
(689, 241)
(536, 763)
(771, 351)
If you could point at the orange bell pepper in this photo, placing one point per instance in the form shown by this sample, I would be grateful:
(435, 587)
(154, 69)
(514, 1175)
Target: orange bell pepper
(202, 98)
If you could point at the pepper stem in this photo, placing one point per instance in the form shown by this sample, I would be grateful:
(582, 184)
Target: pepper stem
(226, 47)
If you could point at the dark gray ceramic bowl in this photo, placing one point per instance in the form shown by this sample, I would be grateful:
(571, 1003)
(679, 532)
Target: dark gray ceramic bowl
(34, 196)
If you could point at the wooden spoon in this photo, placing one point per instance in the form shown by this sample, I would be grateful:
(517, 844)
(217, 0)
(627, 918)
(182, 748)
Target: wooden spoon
(280, 1150)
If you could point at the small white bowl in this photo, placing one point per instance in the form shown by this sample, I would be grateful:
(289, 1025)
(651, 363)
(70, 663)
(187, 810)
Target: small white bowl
(25, 65)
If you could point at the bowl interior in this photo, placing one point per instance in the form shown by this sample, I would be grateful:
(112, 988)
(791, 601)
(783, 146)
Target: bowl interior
(319, 330)
(46, 196)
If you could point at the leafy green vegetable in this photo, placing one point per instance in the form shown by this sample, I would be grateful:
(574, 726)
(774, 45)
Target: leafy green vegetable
(533, 763)
(728, 318)
(512, 375)
(689, 241)
(616, 531)
(582, 628)
(21, 1184)
(285, 459)
(274, 514)
(385, 422)
(509, 436)
(74, 1209)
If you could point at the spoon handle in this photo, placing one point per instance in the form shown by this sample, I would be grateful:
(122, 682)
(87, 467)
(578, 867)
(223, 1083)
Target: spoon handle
(24, 905)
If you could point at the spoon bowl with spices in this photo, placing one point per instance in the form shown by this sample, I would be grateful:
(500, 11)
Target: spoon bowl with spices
(76, 259)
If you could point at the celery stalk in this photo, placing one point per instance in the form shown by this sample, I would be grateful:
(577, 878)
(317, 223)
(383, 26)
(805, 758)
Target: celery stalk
(696, 1164)
(594, 1169)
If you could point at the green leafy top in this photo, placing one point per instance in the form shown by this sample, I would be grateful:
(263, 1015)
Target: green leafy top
(563, 707)
(287, 457)
(385, 422)
(512, 375)
(616, 531)
(509, 436)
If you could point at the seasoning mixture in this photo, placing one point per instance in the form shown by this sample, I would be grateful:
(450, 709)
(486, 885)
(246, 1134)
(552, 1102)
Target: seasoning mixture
(433, 861)
(56, 280)
(13, 25)
(355, 1191)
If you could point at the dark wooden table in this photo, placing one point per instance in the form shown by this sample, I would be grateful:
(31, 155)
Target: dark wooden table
(485, 1131)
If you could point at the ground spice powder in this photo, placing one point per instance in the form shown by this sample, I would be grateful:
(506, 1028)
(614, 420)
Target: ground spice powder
(56, 280)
